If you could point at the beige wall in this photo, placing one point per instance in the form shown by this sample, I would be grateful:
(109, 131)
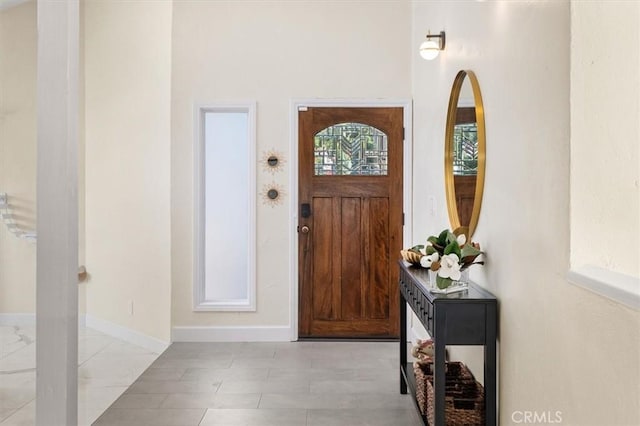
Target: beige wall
(18, 158)
(561, 348)
(605, 135)
(18, 154)
(271, 52)
(127, 50)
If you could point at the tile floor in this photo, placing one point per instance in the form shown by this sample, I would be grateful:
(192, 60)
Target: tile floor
(106, 368)
(267, 384)
(198, 384)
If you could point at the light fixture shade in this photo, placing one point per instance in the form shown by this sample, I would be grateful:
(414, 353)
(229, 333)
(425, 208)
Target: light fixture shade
(429, 49)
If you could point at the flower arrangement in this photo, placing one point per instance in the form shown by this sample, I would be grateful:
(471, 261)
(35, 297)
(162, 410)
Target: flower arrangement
(447, 255)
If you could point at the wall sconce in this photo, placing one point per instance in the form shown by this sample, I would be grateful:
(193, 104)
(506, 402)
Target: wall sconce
(429, 49)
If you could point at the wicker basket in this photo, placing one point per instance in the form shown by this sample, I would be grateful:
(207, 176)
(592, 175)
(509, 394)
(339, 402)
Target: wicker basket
(464, 396)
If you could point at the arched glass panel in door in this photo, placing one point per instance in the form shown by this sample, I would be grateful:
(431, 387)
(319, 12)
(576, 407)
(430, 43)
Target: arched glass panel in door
(350, 149)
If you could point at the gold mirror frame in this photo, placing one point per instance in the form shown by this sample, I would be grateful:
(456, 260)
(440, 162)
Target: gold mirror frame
(452, 207)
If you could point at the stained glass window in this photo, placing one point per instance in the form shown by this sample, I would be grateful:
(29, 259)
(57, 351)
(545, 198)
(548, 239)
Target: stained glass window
(465, 149)
(350, 149)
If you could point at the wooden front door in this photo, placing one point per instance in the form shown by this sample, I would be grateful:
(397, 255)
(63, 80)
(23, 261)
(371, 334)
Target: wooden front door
(350, 221)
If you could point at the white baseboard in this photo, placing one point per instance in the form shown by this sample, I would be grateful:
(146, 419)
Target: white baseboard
(126, 334)
(29, 319)
(18, 319)
(231, 334)
(106, 327)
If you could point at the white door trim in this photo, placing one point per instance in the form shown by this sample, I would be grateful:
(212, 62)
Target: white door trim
(407, 190)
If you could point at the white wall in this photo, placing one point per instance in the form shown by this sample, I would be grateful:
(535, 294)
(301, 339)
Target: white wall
(18, 154)
(271, 52)
(561, 348)
(127, 50)
(605, 135)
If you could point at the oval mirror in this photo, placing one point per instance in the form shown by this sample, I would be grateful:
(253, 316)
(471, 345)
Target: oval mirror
(464, 154)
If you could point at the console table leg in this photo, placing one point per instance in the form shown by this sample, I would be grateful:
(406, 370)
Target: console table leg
(439, 370)
(403, 343)
(490, 367)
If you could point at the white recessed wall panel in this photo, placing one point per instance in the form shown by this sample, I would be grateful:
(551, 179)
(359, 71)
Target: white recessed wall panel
(227, 205)
(224, 267)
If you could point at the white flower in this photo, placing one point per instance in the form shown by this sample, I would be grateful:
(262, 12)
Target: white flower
(461, 239)
(450, 267)
(426, 261)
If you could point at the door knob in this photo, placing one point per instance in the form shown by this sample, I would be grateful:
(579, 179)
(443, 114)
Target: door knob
(304, 229)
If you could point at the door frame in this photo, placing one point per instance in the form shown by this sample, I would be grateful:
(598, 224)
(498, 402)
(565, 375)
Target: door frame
(407, 162)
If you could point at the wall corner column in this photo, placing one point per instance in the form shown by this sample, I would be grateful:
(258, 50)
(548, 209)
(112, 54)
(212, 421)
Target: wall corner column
(57, 211)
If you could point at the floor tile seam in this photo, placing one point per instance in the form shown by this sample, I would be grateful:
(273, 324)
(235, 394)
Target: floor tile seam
(291, 381)
(114, 354)
(261, 391)
(166, 396)
(155, 409)
(197, 355)
(204, 414)
(93, 356)
(184, 372)
(17, 410)
(352, 405)
(18, 371)
(260, 400)
(349, 392)
(172, 393)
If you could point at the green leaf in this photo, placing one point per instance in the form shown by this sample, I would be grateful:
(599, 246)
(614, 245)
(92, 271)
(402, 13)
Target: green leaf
(453, 247)
(469, 250)
(443, 283)
(430, 250)
(451, 237)
(469, 260)
(433, 240)
(417, 248)
(442, 238)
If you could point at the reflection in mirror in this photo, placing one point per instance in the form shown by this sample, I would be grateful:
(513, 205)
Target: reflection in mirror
(464, 153)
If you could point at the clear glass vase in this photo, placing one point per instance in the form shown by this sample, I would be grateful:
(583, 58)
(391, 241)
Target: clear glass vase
(447, 285)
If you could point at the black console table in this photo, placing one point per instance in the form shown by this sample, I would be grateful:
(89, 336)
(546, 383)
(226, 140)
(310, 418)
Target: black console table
(468, 317)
